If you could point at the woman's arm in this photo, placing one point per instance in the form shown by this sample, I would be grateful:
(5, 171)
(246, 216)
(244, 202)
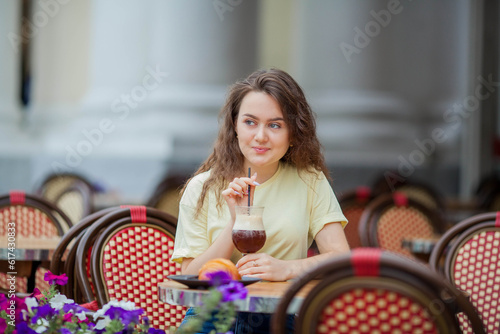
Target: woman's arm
(222, 247)
(330, 239)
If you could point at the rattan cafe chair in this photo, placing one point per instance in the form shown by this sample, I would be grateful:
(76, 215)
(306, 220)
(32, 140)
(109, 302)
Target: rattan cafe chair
(64, 257)
(34, 217)
(416, 190)
(375, 291)
(353, 203)
(167, 194)
(71, 192)
(391, 218)
(471, 252)
(131, 250)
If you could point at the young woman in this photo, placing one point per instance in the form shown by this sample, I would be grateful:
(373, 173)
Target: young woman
(268, 126)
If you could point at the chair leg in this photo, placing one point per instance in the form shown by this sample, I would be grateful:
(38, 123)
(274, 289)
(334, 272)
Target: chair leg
(32, 277)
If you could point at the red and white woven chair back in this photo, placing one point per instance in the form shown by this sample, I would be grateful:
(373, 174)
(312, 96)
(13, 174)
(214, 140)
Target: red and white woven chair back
(375, 311)
(371, 290)
(400, 222)
(29, 222)
(135, 260)
(476, 269)
(353, 203)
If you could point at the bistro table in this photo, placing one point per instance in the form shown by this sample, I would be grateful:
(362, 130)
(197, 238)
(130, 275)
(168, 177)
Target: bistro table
(26, 256)
(262, 297)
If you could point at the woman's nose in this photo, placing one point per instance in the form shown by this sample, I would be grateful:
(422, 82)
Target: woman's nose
(261, 134)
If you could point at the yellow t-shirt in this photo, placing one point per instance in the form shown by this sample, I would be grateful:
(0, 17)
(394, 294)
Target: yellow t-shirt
(297, 207)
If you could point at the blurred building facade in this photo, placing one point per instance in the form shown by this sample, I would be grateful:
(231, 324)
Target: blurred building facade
(125, 91)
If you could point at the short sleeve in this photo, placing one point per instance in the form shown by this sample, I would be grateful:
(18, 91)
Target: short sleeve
(191, 233)
(325, 207)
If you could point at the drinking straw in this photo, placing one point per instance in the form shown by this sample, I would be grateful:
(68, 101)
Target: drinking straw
(249, 175)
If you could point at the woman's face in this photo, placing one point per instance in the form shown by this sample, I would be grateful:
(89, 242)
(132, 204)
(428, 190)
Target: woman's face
(263, 135)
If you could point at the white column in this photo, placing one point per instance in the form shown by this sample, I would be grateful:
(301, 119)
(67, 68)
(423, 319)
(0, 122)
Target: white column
(60, 53)
(159, 71)
(377, 72)
(195, 46)
(10, 20)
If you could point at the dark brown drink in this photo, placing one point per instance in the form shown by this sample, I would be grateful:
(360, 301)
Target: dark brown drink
(249, 241)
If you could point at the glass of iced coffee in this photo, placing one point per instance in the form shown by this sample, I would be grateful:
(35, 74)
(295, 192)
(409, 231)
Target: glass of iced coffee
(249, 234)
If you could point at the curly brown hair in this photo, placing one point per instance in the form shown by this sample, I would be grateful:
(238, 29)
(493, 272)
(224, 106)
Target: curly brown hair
(226, 160)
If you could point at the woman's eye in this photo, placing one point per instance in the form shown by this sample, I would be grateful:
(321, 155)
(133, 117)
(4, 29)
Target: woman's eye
(274, 125)
(249, 122)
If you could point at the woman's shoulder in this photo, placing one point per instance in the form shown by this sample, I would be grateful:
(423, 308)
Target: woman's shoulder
(310, 175)
(197, 181)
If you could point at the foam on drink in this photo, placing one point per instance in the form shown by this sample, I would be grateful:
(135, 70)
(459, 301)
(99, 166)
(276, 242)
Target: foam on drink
(248, 233)
(248, 222)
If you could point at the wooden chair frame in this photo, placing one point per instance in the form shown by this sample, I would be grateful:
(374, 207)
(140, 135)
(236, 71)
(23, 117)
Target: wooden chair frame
(442, 246)
(76, 183)
(59, 265)
(97, 259)
(338, 275)
(358, 198)
(444, 254)
(168, 184)
(41, 188)
(368, 225)
(49, 208)
(60, 220)
(381, 186)
(81, 189)
(97, 237)
(91, 235)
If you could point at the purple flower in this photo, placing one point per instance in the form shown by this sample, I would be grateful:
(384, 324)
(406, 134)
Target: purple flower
(22, 328)
(4, 302)
(219, 277)
(155, 331)
(36, 293)
(126, 317)
(67, 317)
(3, 325)
(232, 291)
(56, 279)
(44, 311)
(73, 307)
(64, 331)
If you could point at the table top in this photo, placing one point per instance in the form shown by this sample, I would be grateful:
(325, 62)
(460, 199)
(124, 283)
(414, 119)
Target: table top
(262, 297)
(28, 249)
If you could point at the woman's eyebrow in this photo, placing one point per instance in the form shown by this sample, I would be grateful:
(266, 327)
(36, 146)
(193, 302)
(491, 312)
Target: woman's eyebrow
(269, 120)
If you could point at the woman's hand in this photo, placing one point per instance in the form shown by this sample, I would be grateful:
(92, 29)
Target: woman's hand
(236, 193)
(264, 266)
(331, 242)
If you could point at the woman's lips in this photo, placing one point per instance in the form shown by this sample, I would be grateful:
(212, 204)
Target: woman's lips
(261, 149)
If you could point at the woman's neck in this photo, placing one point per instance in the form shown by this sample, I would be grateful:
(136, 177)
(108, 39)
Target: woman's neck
(263, 174)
